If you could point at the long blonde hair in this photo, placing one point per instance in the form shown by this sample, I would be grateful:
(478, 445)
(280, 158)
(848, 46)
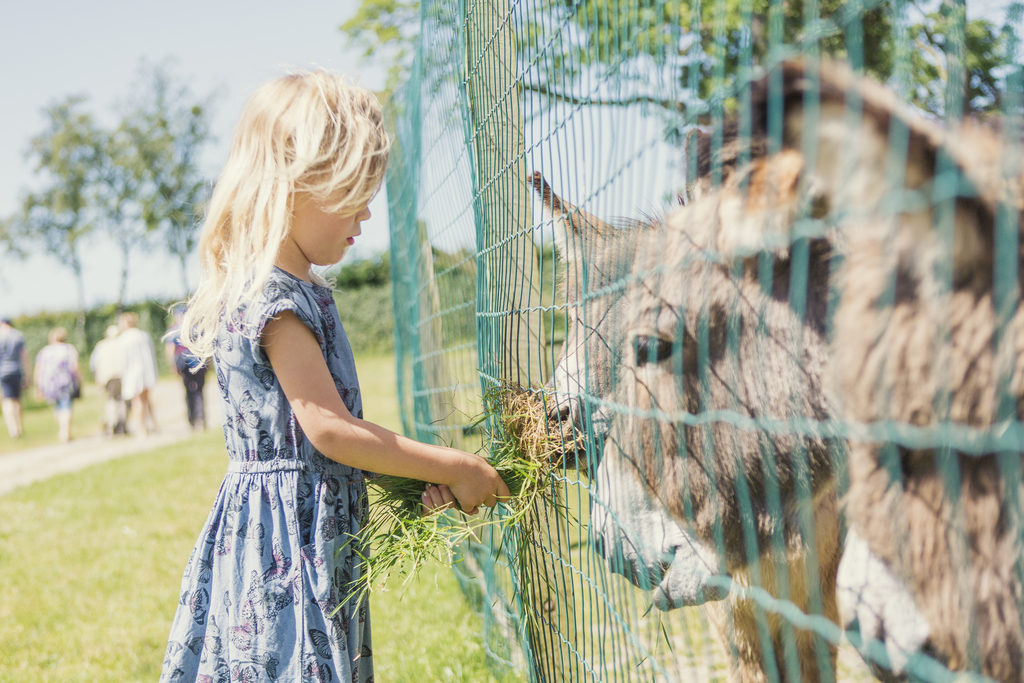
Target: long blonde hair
(307, 132)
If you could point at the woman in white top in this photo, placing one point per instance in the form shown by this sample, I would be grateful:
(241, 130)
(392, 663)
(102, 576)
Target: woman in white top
(139, 373)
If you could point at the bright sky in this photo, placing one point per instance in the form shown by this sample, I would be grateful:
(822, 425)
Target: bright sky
(53, 49)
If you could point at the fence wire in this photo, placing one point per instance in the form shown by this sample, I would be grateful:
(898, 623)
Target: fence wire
(760, 263)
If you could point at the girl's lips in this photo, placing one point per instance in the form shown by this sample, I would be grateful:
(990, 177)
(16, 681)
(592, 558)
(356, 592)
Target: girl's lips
(351, 240)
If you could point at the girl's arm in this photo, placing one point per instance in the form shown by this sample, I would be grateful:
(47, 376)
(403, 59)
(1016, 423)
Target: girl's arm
(299, 364)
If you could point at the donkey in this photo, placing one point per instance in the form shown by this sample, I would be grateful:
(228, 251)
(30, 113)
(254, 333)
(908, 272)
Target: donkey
(711, 331)
(923, 337)
(719, 387)
(704, 324)
(640, 534)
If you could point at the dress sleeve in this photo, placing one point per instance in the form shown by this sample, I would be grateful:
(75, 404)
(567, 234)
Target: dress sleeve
(278, 298)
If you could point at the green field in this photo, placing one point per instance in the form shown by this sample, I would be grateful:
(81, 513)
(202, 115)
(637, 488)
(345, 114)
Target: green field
(91, 565)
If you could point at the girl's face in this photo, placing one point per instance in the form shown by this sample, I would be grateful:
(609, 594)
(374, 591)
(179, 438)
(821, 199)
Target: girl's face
(317, 237)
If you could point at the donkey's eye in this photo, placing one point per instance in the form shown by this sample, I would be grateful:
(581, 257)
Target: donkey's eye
(651, 349)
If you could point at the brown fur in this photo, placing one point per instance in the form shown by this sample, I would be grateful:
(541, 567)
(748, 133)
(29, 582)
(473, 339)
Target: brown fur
(702, 269)
(960, 561)
(894, 363)
(697, 276)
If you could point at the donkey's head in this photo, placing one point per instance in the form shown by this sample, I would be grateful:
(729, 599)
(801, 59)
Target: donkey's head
(595, 257)
(636, 533)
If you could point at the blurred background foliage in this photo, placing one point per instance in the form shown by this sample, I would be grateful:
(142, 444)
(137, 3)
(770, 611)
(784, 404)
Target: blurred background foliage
(139, 182)
(154, 318)
(363, 296)
(669, 34)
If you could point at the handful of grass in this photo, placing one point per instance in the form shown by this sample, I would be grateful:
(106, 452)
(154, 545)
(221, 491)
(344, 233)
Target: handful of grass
(524, 449)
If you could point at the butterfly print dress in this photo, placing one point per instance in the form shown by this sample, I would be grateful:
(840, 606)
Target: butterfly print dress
(275, 557)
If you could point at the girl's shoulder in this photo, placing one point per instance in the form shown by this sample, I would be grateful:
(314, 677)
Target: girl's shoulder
(282, 291)
(282, 286)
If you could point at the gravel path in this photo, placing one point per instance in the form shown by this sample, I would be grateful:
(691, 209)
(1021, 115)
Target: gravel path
(168, 398)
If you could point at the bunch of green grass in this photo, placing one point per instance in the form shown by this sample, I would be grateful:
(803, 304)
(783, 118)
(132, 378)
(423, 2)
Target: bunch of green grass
(397, 540)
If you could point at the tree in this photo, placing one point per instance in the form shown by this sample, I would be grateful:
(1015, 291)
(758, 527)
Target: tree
(167, 128)
(984, 51)
(121, 176)
(386, 30)
(61, 214)
(134, 182)
(563, 38)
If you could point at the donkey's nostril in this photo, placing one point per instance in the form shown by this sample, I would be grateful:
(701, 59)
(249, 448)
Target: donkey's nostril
(651, 349)
(561, 410)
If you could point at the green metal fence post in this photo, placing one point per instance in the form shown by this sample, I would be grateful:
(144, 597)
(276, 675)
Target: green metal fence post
(512, 279)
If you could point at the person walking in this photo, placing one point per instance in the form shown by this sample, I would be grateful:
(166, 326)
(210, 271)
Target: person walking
(58, 378)
(139, 375)
(107, 365)
(13, 375)
(191, 369)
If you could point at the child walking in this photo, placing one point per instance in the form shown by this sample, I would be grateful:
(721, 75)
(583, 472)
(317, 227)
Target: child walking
(263, 595)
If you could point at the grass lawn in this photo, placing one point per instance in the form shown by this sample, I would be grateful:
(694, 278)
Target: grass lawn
(91, 565)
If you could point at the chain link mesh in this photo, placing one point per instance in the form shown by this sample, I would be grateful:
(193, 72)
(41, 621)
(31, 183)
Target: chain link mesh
(642, 114)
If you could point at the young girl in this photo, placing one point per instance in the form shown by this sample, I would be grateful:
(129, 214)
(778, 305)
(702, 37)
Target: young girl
(276, 557)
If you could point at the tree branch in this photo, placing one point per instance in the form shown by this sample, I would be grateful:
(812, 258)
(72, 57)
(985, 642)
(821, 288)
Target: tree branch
(544, 90)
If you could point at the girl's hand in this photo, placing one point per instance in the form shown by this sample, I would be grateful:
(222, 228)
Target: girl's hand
(479, 484)
(437, 499)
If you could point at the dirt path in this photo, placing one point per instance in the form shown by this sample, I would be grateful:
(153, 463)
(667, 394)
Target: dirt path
(168, 397)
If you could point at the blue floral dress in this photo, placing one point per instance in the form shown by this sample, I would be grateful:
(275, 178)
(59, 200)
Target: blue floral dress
(275, 559)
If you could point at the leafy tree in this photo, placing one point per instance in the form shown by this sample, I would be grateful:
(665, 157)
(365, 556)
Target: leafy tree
(166, 128)
(121, 177)
(386, 30)
(984, 53)
(375, 272)
(135, 182)
(566, 37)
(60, 215)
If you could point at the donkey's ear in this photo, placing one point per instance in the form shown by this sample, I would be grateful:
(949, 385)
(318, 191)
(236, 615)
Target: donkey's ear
(853, 120)
(577, 222)
(975, 148)
(852, 112)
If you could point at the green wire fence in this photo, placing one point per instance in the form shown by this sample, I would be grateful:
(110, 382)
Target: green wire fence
(639, 212)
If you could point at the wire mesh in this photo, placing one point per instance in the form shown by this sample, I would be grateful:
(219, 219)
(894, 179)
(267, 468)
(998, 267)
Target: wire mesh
(763, 258)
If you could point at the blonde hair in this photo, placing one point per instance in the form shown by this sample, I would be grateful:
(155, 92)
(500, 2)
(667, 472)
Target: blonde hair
(58, 335)
(309, 132)
(128, 319)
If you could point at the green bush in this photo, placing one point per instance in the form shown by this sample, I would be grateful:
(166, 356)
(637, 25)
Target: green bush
(375, 272)
(368, 316)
